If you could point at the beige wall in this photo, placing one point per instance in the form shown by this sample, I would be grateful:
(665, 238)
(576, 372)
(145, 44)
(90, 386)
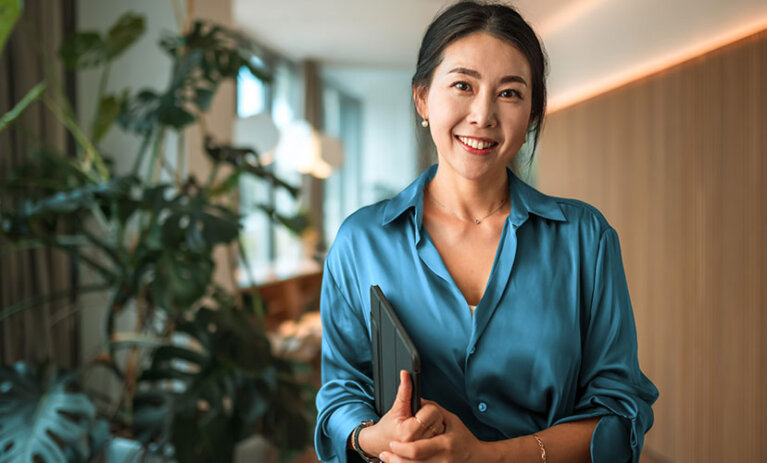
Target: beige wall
(676, 161)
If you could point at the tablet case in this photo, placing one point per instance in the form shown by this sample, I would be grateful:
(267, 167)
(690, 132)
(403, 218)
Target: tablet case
(393, 350)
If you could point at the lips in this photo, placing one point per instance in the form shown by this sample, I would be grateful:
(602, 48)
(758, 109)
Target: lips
(478, 144)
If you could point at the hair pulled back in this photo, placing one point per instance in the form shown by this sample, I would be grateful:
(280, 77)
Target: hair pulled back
(500, 21)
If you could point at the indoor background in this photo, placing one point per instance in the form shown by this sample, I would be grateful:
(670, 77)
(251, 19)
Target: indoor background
(657, 116)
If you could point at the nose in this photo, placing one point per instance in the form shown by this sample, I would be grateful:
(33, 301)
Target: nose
(483, 111)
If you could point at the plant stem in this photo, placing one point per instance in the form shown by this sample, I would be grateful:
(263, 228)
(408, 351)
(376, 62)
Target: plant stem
(142, 151)
(159, 143)
(91, 155)
(48, 298)
(99, 97)
(165, 165)
(258, 305)
(180, 158)
(103, 246)
(28, 99)
(212, 176)
(63, 109)
(70, 247)
(104, 79)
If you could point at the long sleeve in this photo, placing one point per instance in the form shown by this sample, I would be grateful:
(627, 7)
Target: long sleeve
(346, 396)
(611, 385)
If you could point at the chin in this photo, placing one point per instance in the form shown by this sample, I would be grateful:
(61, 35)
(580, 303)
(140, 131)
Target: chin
(474, 170)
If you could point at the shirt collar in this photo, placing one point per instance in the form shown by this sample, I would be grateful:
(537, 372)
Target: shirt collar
(524, 200)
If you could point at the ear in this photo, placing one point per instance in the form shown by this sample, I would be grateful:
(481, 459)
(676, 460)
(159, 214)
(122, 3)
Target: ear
(419, 98)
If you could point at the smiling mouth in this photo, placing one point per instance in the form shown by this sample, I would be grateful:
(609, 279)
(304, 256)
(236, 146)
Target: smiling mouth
(476, 143)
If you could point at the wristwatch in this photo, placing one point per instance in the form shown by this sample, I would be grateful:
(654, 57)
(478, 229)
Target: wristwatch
(356, 442)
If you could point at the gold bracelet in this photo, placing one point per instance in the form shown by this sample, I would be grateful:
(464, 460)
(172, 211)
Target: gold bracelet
(543, 449)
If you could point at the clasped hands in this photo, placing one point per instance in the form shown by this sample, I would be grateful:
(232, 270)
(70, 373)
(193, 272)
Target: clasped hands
(433, 434)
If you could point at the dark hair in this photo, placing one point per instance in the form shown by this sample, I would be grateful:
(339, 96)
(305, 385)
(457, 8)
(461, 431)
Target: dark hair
(500, 21)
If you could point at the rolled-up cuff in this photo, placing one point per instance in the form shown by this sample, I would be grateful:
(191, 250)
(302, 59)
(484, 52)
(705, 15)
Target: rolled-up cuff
(330, 439)
(608, 442)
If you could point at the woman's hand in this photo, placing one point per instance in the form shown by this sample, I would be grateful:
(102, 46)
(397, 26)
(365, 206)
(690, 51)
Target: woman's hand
(399, 424)
(455, 444)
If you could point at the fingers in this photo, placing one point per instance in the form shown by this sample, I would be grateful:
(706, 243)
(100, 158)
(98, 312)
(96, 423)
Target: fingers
(405, 390)
(389, 457)
(418, 450)
(431, 419)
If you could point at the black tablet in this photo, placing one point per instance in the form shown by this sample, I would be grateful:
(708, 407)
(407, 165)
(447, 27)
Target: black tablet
(393, 350)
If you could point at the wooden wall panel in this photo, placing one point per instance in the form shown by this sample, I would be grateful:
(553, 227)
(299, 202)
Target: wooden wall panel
(676, 162)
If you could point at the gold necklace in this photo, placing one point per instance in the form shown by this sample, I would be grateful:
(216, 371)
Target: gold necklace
(476, 221)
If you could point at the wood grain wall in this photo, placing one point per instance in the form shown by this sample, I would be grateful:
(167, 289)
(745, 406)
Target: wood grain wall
(676, 162)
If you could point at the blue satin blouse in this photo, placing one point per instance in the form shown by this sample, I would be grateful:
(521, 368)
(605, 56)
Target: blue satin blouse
(552, 339)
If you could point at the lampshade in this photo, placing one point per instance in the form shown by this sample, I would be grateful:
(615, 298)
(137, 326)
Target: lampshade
(258, 132)
(307, 151)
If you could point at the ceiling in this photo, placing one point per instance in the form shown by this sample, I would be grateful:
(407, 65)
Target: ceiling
(593, 45)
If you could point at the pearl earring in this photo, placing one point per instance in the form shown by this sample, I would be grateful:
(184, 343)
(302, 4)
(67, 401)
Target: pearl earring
(425, 123)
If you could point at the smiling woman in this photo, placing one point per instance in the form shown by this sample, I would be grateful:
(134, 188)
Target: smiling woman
(478, 102)
(516, 301)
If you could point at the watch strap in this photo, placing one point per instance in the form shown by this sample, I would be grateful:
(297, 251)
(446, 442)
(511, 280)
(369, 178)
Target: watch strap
(356, 442)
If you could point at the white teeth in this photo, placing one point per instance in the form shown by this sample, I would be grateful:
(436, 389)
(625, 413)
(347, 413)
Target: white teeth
(476, 144)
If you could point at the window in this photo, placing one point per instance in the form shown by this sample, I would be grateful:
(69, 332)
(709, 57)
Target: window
(342, 115)
(266, 244)
(252, 93)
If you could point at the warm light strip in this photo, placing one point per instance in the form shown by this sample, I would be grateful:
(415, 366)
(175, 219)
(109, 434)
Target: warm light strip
(650, 67)
(567, 15)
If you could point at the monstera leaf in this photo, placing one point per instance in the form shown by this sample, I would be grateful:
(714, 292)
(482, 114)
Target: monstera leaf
(89, 49)
(203, 57)
(37, 424)
(231, 386)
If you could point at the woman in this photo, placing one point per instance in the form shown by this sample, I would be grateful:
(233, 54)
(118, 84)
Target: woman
(517, 301)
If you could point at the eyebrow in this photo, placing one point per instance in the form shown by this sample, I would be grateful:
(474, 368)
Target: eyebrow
(476, 75)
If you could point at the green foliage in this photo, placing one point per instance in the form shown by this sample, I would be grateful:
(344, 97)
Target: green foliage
(43, 419)
(108, 112)
(10, 10)
(28, 99)
(89, 49)
(151, 243)
(215, 384)
(202, 58)
(224, 51)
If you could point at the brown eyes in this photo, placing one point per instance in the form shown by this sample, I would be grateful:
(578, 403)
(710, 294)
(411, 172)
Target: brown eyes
(508, 93)
(463, 86)
(511, 94)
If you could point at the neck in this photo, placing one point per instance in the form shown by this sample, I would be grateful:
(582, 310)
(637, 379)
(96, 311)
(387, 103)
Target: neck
(469, 198)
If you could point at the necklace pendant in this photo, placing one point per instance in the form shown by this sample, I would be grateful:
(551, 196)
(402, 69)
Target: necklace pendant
(476, 221)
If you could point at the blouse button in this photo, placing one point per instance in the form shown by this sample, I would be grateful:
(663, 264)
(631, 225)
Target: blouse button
(472, 350)
(482, 406)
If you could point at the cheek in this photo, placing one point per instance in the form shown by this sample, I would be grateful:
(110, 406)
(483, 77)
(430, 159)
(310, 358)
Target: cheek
(518, 119)
(444, 113)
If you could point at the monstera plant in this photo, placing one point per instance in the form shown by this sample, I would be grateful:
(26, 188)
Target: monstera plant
(51, 423)
(195, 370)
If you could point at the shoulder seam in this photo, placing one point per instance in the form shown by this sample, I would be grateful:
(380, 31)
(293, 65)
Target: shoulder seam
(593, 211)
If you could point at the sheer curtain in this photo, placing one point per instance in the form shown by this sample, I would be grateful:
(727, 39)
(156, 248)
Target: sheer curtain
(48, 331)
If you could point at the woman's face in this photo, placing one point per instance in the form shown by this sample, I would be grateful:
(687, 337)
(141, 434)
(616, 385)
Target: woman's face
(478, 105)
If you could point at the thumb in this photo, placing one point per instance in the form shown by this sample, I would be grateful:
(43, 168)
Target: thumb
(401, 405)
